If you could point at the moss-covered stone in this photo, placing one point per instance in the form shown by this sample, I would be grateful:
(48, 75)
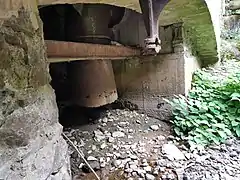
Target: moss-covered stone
(31, 141)
(23, 60)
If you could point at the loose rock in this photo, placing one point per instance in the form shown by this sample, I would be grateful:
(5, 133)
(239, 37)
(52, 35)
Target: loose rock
(91, 158)
(118, 134)
(150, 177)
(172, 152)
(154, 127)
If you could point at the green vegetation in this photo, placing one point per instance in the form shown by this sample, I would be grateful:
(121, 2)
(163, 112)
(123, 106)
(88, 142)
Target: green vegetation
(211, 112)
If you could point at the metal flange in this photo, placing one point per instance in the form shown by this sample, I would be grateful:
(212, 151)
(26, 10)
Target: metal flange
(151, 10)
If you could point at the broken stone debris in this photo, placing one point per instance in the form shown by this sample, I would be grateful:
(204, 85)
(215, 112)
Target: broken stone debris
(170, 161)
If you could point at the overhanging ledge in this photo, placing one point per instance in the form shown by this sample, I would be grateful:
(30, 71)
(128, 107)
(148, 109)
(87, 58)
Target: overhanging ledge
(60, 51)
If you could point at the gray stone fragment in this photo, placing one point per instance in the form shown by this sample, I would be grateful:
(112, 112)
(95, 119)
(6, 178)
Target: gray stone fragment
(141, 173)
(128, 170)
(138, 122)
(233, 154)
(130, 178)
(147, 168)
(130, 130)
(162, 169)
(103, 164)
(150, 177)
(118, 134)
(161, 138)
(134, 174)
(98, 135)
(172, 152)
(103, 146)
(134, 167)
(91, 158)
(117, 163)
(180, 173)
(155, 172)
(133, 157)
(111, 139)
(105, 120)
(94, 147)
(170, 176)
(154, 127)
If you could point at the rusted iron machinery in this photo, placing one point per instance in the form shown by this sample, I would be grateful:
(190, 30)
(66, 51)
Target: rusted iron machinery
(87, 34)
(151, 10)
(92, 82)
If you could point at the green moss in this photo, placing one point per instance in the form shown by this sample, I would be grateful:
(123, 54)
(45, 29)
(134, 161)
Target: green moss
(23, 62)
(238, 45)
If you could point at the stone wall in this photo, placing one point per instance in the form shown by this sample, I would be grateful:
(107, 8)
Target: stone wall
(31, 145)
(230, 30)
(231, 18)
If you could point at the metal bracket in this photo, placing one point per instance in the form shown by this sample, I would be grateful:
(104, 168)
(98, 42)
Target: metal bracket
(151, 10)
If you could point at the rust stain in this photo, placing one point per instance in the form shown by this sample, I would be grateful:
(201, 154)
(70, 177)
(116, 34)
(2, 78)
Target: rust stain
(62, 49)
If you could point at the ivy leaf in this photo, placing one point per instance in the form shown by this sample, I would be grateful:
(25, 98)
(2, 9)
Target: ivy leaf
(232, 110)
(235, 97)
(211, 111)
(205, 122)
(177, 131)
(214, 110)
(228, 132)
(237, 130)
(222, 106)
(222, 134)
(221, 117)
(188, 123)
(209, 115)
(219, 125)
(215, 139)
(234, 123)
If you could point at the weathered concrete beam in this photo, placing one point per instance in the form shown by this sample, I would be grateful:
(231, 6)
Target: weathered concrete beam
(59, 51)
(198, 26)
(131, 4)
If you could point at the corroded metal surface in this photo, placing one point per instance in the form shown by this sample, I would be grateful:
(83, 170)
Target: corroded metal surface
(61, 49)
(92, 83)
(151, 10)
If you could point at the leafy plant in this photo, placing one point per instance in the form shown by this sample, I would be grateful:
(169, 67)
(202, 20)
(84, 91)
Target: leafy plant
(211, 112)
